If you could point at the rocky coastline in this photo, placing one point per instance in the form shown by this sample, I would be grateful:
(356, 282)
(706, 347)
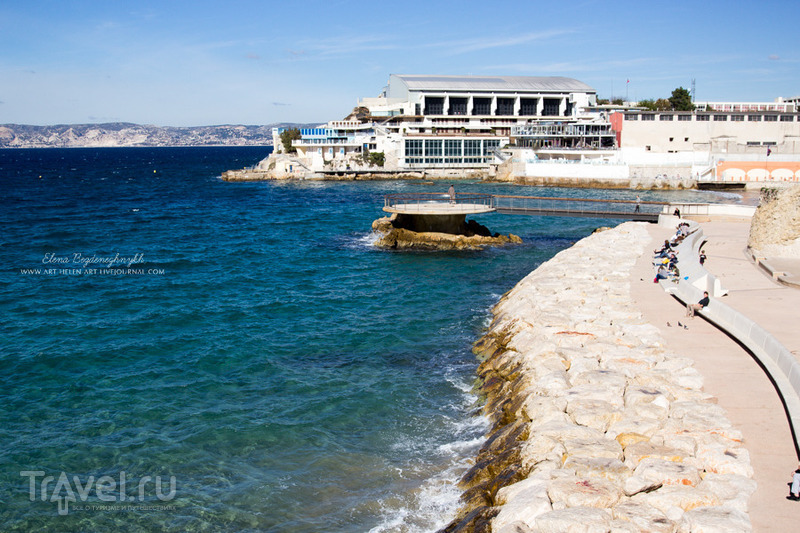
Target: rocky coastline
(596, 426)
(398, 232)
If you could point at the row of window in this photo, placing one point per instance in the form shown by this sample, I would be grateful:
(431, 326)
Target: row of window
(452, 151)
(435, 105)
(717, 118)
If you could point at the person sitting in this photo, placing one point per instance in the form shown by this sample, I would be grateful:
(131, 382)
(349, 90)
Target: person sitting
(691, 309)
(675, 273)
(662, 273)
(672, 259)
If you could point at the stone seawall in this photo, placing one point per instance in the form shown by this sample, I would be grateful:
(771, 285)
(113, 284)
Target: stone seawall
(596, 425)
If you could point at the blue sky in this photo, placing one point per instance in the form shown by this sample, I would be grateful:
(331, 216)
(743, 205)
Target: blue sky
(185, 63)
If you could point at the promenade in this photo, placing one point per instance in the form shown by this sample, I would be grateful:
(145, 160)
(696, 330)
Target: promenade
(730, 373)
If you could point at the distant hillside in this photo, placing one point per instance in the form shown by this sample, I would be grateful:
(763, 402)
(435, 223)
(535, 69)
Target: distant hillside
(126, 134)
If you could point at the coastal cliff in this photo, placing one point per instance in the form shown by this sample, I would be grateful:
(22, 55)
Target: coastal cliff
(595, 425)
(126, 134)
(775, 229)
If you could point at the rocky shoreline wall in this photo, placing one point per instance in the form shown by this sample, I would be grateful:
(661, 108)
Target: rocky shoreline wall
(595, 425)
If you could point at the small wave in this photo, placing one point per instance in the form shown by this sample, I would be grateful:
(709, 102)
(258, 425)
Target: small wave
(728, 195)
(361, 241)
(426, 509)
(461, 447)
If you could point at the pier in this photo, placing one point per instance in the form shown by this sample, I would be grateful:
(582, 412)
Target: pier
(436, 205)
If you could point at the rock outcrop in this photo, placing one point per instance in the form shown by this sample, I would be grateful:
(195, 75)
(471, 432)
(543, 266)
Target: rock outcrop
(775, 229)
(400, 232)
(595, 425)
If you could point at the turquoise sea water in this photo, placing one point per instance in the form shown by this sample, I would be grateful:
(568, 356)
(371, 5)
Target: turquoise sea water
(258, 349)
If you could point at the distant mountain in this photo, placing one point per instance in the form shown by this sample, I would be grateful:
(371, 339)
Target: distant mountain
(126, 134)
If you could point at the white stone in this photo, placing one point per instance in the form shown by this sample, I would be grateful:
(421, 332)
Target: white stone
(598, 467)
(578, 492)
(522, 502)
(605, 448)
(638, 451)
(714, 520)
(515, 527)
(643, 517)
(652, 473)
(671, 497)
(590, 391)
(562, 431)
(642, 426)
(595, 414)
(544, 409)
(734, 490)
(574, 520)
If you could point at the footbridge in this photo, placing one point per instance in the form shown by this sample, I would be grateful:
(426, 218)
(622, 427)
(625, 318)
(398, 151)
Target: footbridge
(433, 204)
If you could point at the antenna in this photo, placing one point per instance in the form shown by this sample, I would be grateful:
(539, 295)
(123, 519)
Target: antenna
(693, 89)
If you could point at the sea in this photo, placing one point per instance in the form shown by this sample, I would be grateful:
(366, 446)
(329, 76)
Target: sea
(181, 353)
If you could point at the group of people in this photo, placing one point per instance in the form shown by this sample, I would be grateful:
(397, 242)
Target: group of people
(666, 262)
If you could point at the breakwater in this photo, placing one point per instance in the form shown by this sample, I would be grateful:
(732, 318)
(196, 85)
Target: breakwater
(595, 424)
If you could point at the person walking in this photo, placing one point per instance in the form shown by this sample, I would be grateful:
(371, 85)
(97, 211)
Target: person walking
(452, 192)
(638, 200)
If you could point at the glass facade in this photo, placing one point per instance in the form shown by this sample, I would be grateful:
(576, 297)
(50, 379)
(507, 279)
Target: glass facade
(458, 152)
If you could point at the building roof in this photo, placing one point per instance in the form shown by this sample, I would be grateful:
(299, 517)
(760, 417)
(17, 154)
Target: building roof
(492, 83)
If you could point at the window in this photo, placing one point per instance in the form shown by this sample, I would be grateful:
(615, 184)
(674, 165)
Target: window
(665, 117)
(413, 147)
(754, 118)
(434, 105)
(527, 106)
(489, 146)
(472, 151)
(505, 106)
(671, 139)
(551, 106)
(686, 139)
(452, 151)
(770, 118)
(433, 147)
(648, 117)
(452, 147)
(737, 118)
(631, 117)
(753, 143)
(647, 148)
(684, 118)
(481, 106)
(720, 118)
(703, 118)
(458, 106)
(787, 118)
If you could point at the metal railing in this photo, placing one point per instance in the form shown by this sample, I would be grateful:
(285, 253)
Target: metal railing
(536, 205)
(578, 207)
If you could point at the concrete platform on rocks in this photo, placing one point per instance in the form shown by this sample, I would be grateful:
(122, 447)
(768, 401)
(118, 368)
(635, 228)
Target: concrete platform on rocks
(731, 374)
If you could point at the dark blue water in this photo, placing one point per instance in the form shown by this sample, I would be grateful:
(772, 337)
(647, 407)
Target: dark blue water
(255, 348)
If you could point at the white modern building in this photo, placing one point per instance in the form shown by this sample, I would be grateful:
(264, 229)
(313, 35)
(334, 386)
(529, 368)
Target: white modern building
(459, 122)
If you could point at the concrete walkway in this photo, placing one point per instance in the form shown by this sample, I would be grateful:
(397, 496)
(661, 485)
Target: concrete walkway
(730, 373)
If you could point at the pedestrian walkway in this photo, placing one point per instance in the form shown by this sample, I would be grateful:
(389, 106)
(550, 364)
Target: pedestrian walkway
(731, 374)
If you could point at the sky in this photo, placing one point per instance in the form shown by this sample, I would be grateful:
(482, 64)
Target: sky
(193, 63)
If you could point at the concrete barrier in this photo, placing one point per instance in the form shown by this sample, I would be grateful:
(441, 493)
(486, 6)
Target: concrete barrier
(777, 361)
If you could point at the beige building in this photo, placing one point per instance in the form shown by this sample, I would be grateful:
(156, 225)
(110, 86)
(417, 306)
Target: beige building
(715, 133)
